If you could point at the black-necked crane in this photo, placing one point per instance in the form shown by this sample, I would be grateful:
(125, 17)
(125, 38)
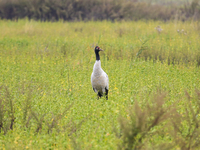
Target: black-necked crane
(99, 78)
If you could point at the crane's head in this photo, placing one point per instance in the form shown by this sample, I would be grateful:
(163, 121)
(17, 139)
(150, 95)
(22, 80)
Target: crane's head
(97, 49)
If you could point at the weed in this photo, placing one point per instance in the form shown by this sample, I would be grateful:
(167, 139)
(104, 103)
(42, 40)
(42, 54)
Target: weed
(7, 112)
(142, 48)
(141, 121)
(186, 124)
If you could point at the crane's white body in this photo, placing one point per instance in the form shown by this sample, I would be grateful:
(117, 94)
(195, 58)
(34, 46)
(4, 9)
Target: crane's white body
(99, 78)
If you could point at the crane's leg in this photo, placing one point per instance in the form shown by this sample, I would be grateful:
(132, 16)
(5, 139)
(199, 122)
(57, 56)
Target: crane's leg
(106, 94)
(99, 94)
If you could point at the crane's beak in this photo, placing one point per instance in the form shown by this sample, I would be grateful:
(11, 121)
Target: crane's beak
(100, 49)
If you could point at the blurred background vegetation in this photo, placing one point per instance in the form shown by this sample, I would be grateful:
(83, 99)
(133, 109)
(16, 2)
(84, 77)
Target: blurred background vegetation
(113, 10)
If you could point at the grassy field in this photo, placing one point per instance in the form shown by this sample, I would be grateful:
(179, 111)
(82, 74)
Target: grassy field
(47, 95)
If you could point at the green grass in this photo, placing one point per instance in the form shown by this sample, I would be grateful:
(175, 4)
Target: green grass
(50, 64)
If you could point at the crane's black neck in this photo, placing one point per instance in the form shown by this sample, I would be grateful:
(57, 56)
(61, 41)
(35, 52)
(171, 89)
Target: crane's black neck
(97, 55)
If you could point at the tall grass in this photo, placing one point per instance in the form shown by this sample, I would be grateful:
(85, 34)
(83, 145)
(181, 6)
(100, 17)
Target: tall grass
(177, 42)
(46, 98)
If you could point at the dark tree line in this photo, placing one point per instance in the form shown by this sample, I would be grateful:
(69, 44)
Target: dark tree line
(76, 10)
